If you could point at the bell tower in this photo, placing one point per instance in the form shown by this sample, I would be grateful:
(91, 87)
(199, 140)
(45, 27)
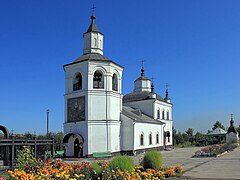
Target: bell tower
(93, 99)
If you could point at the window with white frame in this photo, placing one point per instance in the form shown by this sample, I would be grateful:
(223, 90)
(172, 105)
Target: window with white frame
(157, 138)
(158, 114)
(163, 114)
(141, 139)
(150, 138)
(114, 82)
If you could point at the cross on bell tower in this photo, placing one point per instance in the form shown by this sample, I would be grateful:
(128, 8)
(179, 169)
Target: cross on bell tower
(142, 69)
(93, 9)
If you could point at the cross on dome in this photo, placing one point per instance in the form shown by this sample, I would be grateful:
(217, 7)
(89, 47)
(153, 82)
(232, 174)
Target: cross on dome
(142, 70)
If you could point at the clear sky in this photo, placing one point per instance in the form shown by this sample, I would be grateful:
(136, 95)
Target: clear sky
(193, 45)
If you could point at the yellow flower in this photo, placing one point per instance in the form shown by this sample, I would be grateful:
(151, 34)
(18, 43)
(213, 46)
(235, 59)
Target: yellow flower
(81, 175)
(76, 175)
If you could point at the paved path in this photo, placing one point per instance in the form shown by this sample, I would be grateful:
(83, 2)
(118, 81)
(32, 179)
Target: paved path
(225, 167)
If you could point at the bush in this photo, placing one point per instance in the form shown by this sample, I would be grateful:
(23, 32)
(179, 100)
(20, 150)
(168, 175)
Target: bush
(97, 168)
(123, 163)
(25, 158)
(152, 160)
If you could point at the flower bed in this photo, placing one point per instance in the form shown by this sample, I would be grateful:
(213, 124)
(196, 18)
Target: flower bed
(214, 150)
(58, 169)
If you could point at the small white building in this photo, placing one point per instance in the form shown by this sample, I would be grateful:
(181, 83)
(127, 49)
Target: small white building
(98, 118)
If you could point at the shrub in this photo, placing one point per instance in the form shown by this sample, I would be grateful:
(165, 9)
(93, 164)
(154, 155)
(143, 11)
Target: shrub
(123, 163)
(25, 158)
(152, 159)
(97, 168)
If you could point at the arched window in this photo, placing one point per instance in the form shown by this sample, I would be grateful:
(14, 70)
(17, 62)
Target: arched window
(163, 113)
(167, 115)
(157, 138)
(95, 42)
(114, 82)
(98, 81)
(158, 114)
(77, 84)
(141, 140)
(150, 138)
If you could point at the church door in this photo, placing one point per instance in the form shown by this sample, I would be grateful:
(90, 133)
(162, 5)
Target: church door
(76, 148)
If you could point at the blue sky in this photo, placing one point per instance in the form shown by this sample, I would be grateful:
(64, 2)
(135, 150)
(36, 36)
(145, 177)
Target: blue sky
(194, 46)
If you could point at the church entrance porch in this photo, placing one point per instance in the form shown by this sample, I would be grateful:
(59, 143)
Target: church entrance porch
(73, 143)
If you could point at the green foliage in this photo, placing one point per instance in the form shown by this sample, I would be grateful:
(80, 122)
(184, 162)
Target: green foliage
(123, 163)
(189, 132)
(185, 137)
(25, 158)
(189, 139)
(58, 138)
(200, 139)
(97, 168)
(178, 138)
(183, 145)
(152, 160)
(4, 175)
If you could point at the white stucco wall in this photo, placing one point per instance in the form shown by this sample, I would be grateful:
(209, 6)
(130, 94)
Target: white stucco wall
(159, 105)
(145, 106)
(90, 46)
(146, 129)
(127, 134)
(103, 136)
(115, 136)
(142, 85)
(104, 105)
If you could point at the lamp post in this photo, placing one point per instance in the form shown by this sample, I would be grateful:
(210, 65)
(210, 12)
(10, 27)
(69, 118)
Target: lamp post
(48, 111)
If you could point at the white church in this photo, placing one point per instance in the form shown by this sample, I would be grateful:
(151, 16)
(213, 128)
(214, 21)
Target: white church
(99, 118)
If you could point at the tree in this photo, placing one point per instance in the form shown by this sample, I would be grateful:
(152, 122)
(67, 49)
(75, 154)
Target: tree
(58, 138)
(174, 136)
(189, 132)
(179, 138)
(200, 139)
(218, 124)
(185, 137)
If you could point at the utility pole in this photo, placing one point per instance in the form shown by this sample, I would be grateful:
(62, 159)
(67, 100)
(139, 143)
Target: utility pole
(48, 111)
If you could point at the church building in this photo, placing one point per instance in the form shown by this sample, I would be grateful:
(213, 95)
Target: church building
(98, 118)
